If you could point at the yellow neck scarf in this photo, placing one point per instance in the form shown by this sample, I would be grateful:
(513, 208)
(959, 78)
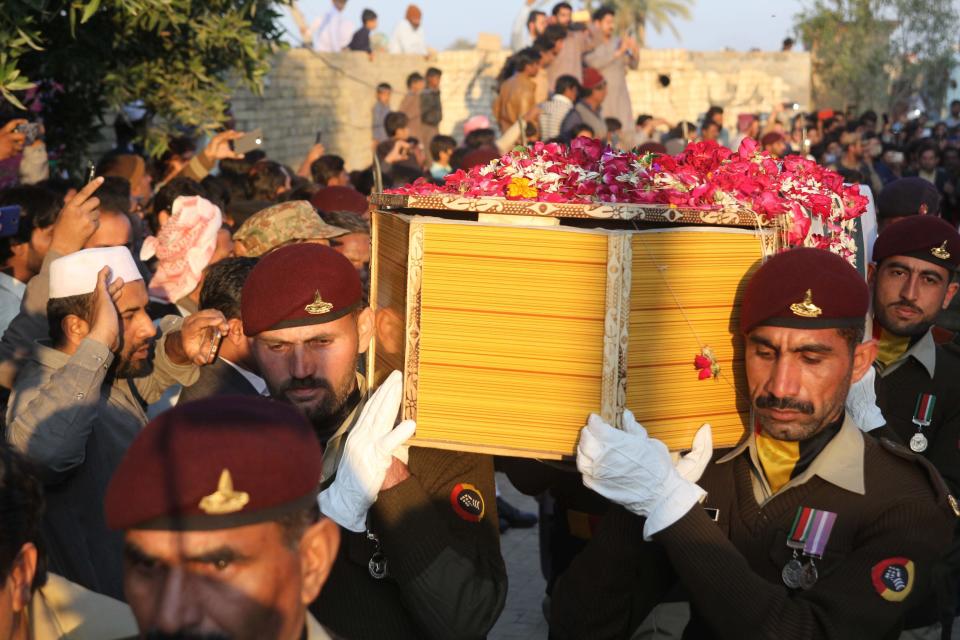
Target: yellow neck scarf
(778, 458)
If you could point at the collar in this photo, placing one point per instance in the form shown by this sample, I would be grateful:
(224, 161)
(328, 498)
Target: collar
(590, 109)
(12, 284)
(255, 381)
(840, 463)
(44, 354)
(334, 447)
(923, 351)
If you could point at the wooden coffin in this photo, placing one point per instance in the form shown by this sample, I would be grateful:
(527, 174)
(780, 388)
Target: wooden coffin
(509, 335)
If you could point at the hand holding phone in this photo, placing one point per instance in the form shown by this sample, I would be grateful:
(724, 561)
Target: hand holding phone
(248, 142)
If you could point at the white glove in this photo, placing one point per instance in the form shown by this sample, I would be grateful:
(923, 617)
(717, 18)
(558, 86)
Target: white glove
(861, 404)
(632, 469)
(367, 455)
(692, 465)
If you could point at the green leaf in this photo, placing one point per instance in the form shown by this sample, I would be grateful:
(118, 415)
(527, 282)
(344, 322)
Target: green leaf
(89, 10)
(12, 99)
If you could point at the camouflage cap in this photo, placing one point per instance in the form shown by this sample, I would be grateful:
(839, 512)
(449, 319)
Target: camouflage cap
(282, 224)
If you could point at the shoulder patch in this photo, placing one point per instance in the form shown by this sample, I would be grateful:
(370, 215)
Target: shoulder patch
(467, 502)
(893, 578)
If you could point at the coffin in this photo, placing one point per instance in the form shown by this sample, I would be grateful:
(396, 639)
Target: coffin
(513, 321)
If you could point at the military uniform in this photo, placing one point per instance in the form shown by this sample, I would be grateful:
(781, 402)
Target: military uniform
(892, 513)
(428, 564)
(834, 535)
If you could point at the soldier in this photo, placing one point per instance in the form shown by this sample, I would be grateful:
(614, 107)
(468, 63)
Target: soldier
(421, 554)
(807, 528)
(913, 280)
(222, 535)
(284, 223)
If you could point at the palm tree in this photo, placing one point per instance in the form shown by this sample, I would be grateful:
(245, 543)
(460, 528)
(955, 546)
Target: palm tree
(635, 15)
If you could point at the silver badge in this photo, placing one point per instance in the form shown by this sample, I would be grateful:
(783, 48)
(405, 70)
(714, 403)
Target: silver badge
(378, 565)
(918, 443)
(791, 573)
(809, 576)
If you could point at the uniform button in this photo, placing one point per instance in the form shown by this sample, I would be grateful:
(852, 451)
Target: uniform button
(79, 396)
(99, 358)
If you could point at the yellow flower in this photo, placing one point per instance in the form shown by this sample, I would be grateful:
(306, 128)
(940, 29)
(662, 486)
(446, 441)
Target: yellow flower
(520, 188)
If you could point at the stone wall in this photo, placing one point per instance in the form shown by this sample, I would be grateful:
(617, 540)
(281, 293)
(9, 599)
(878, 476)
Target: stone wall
(306, 92)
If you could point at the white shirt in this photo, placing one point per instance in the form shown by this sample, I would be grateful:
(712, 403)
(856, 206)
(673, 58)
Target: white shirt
(406, 39)
(334, 32)
(255, 381)
(11, 294)
(520, 37)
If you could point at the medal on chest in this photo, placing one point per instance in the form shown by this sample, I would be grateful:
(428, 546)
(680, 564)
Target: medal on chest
(922, 416)
(809, 534)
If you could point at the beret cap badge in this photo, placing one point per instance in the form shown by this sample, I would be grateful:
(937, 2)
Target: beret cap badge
(806, 309)
(941, 251)
(318, 307)
(224, 500)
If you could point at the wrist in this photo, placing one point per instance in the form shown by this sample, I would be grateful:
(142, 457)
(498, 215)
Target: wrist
(173, 348)
(675, 502)
(102, 337)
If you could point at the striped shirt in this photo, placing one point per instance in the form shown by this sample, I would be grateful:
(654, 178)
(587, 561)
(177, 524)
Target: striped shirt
(552, 113)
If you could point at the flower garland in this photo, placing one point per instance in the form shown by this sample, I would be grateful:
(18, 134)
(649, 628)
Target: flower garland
(704, 176)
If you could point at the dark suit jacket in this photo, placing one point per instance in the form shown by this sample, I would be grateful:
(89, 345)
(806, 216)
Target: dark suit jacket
(218, 379)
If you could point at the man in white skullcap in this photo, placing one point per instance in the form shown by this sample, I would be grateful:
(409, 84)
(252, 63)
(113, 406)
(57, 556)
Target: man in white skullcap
(79, 401)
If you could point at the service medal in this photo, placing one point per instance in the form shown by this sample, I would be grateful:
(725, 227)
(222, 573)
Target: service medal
(791, 573)
(809, 576)
(918, 443)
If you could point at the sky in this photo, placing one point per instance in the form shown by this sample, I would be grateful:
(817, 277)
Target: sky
(715, 24)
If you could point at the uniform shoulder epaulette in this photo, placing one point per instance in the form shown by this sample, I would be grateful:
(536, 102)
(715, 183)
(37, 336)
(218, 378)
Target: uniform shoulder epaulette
(936, 480)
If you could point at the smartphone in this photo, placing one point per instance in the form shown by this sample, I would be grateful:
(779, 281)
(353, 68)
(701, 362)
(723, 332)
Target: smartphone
(319, 138)
(91, 171)
(9, 220)
(248, 142)
(30, 130)
(211, 342)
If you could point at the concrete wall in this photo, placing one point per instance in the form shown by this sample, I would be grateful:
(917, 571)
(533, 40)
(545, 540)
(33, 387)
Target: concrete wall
(307, 91)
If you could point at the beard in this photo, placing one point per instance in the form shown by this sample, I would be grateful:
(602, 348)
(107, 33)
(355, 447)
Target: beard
(128, 367)
(338, 401)
(885, 317)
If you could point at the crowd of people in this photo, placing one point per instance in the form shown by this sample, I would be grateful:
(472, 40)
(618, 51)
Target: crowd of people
(190, 447)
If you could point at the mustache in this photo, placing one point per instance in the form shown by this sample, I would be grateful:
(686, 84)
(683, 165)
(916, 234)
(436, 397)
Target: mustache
(904, 303)
(771, 401)
(295, 384)
(153, 634)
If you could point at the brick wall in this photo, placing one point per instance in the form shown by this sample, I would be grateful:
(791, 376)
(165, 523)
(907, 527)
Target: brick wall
(307, 91)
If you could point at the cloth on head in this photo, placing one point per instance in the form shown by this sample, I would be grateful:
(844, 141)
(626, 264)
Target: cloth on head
(75, 274)
(770, 138)
(651, 147)
(908, 197)
(744, 120)
(299, 285)
(592, 78)
(216, 463)
(413, 12)
(183, 248)
(330, 199)
(805, 289)
(475, 122)
(927, 238)
(281, 224)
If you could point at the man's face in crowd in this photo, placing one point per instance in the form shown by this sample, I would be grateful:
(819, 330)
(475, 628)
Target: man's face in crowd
(605, 25)
(114, 231)
(564, 16)
(908, 293)
(415, 21)
(532, 69)
(928, 160)
(355, 247)
(225, 246)
(384, 96)
(711, 131)
(855, 150)
(239, 583)
(138, 331)
(955, 109)
(433, 82)
(538, 25)
(314, 367)
(599, 92)
(799, 378)
(417, 86)
(779, 148)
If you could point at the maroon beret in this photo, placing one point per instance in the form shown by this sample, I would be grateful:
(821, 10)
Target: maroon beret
(925, 237)
(770, 138)
(340, 199)
(481, 156)
(908, 197)
(298, 285)
(592, 78)
(805, 289)
(217, 463)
